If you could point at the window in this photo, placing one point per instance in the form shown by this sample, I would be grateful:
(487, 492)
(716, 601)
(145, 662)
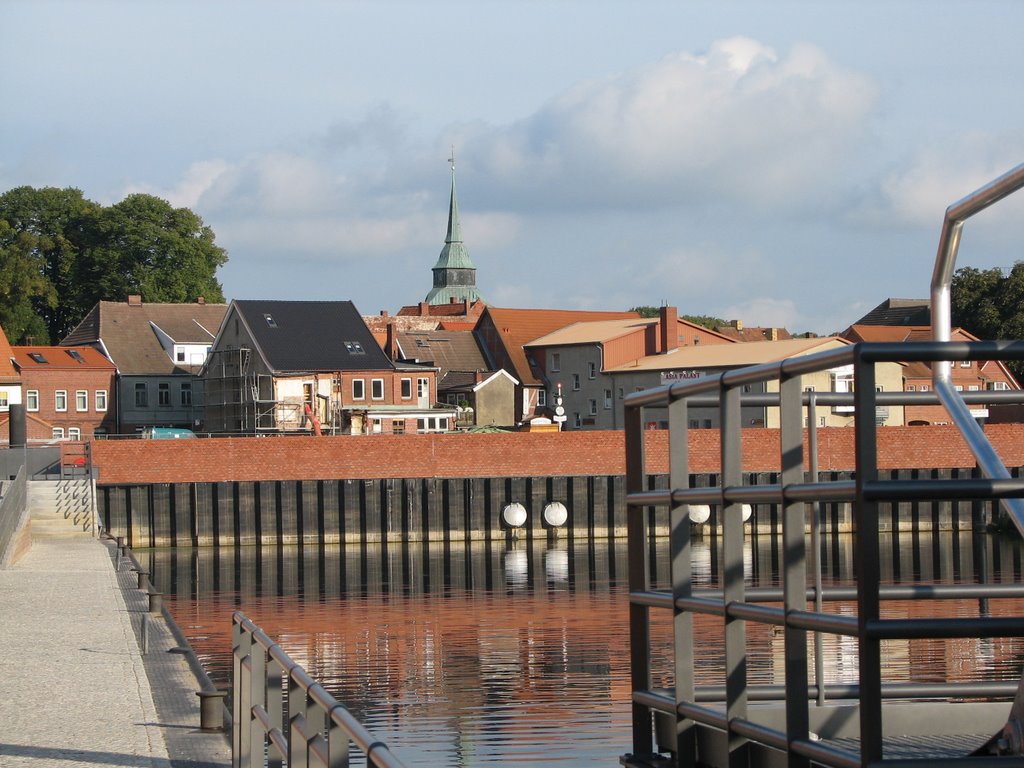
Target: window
(74, 433)
(377, 389)
(186, 393)
(542, 397)
(576, 420)
(61, 400)
(575, 382)
(998, 385)
(271, 322)
(141, 395)
(398, 426)
(965, 363)
(164, 394)
(592, 370)
(81, 400)
(707, 423)
(180, 356)
(593, 407)
(959, 387)
(58, 433)
(358, 389)
(924, 387)
(32, 400)
(911, 388)
(694, 424)
(607, 399)
(407, 389)
(101, 399)
(354, 348)
(556, 361)
(972, 388)
(75, 355)
(3, 401)
(36, 356)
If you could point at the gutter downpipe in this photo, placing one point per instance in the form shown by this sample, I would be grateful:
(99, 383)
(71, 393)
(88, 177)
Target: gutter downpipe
(942, 278)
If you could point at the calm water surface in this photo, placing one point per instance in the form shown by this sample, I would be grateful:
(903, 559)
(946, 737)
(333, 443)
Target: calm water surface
(508, 655)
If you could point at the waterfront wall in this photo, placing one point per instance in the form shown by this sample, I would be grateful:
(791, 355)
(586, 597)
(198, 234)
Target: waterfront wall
(453, 487)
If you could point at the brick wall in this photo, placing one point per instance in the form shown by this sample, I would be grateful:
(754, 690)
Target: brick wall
(506, 455)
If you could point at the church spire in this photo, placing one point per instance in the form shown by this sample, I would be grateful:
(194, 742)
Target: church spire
(454, 273)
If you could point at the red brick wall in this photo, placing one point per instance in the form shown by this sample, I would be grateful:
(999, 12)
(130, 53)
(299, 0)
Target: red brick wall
(503, 455)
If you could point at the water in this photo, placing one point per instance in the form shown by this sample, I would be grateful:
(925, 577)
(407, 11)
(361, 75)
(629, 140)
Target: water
(485, 654)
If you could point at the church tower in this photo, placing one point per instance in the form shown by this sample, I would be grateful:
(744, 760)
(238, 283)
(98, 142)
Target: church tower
(454, 273)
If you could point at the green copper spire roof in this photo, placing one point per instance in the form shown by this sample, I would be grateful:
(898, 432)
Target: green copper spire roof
(454, 273)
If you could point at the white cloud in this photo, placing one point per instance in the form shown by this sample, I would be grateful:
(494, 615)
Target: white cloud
(738, 122)
(197, 179)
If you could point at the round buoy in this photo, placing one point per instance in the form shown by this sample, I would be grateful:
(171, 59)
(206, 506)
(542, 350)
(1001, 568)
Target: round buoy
(747, 512)
(514, 515)
(555, 514)
(699, 513)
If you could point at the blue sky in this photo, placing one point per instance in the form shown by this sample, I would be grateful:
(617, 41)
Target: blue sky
(781, 163)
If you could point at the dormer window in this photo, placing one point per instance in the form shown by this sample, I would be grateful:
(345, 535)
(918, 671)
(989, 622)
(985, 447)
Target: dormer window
(271, 322)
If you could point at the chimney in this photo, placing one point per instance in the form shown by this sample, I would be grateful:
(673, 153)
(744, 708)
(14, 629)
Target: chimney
(424, 309)
(200, 300)
(737, 324)
(391, 343)
(383, 313)
(134, 300)
(466, 304)
(453, 300)
(668, 327)
(774, 334)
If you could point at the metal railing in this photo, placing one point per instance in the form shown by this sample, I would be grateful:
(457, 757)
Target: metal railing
(13, 514)
(282, 716)
(719, 724)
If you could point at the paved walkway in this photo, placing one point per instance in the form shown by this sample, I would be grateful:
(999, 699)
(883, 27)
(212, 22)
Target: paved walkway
(74, 689)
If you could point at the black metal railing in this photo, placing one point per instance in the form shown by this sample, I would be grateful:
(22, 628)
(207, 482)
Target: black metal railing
(716, 724)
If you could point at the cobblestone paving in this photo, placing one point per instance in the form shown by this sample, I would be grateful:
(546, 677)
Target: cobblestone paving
(74, 689)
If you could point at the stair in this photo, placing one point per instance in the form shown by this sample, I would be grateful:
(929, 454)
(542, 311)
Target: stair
(60, 508)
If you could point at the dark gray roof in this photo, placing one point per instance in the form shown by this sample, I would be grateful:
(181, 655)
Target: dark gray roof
(312, 335)
(899, 312)
(447, 350)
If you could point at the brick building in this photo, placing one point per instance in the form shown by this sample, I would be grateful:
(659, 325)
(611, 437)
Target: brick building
(69, 392)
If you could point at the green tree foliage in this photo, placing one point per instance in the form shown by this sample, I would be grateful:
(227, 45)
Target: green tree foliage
(82, 252)
(990, 304)
(705, 320)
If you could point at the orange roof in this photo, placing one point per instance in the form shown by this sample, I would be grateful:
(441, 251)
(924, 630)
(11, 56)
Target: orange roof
(7, 372)
(518, 327)
(60, 357)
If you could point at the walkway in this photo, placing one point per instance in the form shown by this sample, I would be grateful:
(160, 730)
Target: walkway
(74, 689)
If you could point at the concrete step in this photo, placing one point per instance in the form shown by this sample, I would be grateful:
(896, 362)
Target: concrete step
(60, 508)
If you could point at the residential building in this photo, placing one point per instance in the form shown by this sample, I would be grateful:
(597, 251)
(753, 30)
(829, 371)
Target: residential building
(966, 375)
(454, 273)
(576, 359)
(693, 362)
(69, 393)
(737, 331)
(313, 366)
(158, 350)
(908, 312)
(482, 397)
(503, 334)
(10, 386)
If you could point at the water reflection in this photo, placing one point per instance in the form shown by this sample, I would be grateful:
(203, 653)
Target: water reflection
(483, 654)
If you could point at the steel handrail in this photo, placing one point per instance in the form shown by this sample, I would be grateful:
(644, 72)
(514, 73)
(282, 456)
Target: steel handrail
(254, 724)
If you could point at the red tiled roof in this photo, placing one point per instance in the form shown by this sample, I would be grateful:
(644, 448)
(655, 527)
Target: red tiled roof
(7, 372)
(518, 327)
(76, 358)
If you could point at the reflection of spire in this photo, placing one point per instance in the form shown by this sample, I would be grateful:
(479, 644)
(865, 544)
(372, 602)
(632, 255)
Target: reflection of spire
(454, 273)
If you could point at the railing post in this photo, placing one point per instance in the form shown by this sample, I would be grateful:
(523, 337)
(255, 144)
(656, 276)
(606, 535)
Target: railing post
(734, 589)
(639, 581)
(794, 577)
(866, 561)
(682, 575)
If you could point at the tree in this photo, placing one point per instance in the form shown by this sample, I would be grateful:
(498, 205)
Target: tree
(705, 320)
(990, 304)
(84, 252)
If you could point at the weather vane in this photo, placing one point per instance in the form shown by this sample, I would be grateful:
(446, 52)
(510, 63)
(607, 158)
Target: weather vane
(451, 160)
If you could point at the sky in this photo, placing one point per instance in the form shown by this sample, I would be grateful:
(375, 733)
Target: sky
(781, 163)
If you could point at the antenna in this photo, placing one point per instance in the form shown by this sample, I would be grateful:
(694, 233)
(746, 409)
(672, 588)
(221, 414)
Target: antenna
(451, 160)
